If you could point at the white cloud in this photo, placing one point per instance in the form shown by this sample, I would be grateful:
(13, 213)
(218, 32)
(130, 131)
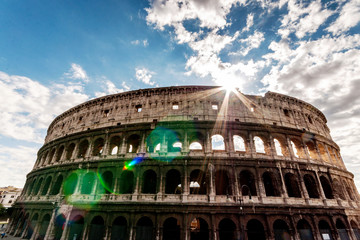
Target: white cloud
(135, 42)
(77, 72)
(144, 75)
(249, 43)
(348, 18)
(108, 88)
(144, 42)
(249, 22)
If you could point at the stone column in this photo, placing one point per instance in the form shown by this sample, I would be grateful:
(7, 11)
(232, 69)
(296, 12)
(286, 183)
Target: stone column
(105, 151)
(185, 147)
(302, 184)
(283, 187)
(213, 227)
(230, 141)
(137, 179)
(142, 144)
(207, 143)
(321, 191)
(123, 146)
(49, 231)
(66, 228)
(212, 180)
(260, 186)
(185, 183)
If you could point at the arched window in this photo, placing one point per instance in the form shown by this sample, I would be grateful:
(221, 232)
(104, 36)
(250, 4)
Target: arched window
(115, 145)
(311, 186)
(310, 146)
(144, 229)
(70, 151)
(126, 182)
(199, 229)
(37, 188)
(46, 186)
(295, 149)
(227, 229)
(31, 187)
(171, 229)
(44, 157)
(217, 142)
(323, 153)
(350, 193)
(154, 143)
(222, 183)
(270, 184)
(88, 183)
(338, 190)
(247, 182)
(98, 147)
(51, 156)
(32, 226)
(76, 228)
(325, 230)
(259, 145)
(255, 230)
(281, 230)
(340, 226)
(196, 141)
(195, 146)
(173, 182)
(44, 226)
(59, 153)
(83, 147)
(106, 183)
(70, 184)
(198, 182)
(119, 229)
(173, 141)
(292, 186)
(59, 225)
(304, 230)
(326, 187)
(239, 144)
(149, 182)
(278, 148)
(97, 228)
(56, 188)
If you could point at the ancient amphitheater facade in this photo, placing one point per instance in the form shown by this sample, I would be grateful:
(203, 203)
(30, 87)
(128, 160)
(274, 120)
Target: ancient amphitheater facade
(190, 162)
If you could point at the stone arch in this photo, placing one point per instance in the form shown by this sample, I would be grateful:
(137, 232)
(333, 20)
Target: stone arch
(83, 147)
(119, 228)
(171, 229)
(311, 149)
(59, 153)
(255, 230)
(311, 186)
(239, 144)
(304, 230)
(44, 157)
(106, 180)
(198, 182)
(173, 141)
(44, 226)
(323, 153)
(59, 226)
(114, 146)
(278, 147)
(126, 182)
(222, 183)
(97, 228)
(227, 229)
(247, 178)
(281, 230)
(153, 143)
(31, 187)
(292, 185)
(199, 229)
(57, 186)
(259, 145)
(355, 229)
(326, 186)
(270, 184)
(70, 151)
(149, 183)
(144, 229)
(88, 182)
(22, 224)
(37, 188)
(51, 155)
(349, 191)
(217, 142)
(32, 225)
(98, 147)
(196, 140)
(76, 227)
(325, 230)
(173, 182)
(340, 226)
(70, 184)
(46, 187)
(338, 189)
(297, 148)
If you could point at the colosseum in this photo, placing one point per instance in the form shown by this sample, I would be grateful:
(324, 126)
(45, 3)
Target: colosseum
(189, 162)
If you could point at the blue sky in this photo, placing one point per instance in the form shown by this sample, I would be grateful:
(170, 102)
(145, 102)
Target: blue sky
(56, 54)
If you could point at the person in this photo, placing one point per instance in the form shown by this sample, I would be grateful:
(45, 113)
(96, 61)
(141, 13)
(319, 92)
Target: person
(3, 235)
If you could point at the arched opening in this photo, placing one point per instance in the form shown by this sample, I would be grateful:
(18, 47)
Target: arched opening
(32, 226)
(281, 230)
(173, 142)
(278, 147)
(22, 226)
(37, 188)
(44, 226)
(173, 182)
(222, 183)
(119, 229)
(46, 186)
(97, 228)
(88, 183)
(44, 157)
(114, 145)
(340, 226)
(76, 228)
(59, 226)
(51, 155)
(338, 190)
(259, 145)
(304, 230)
(217, 142)
(98, 147)
(292, 186)
(196, 141)
(31, 187)
(227, 229)
(247, 179)
(239, 144)
(149, 182)
(106, 183)
(310, 146)
(355, 229)
(126, 182)
(255, 230)
(325, 230)
(133, 143)
(83, 147)
(56, 188)
(296, 149)
(195, 146)
(70, 151)
(154, 143)
(326, 187)
(323, 153)
(59, 153)
(199, 229)
(171, 229)
(70, 184)
(270, 184)
(311, 186)
(144, 229)
(198, 182)
(350, 193)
